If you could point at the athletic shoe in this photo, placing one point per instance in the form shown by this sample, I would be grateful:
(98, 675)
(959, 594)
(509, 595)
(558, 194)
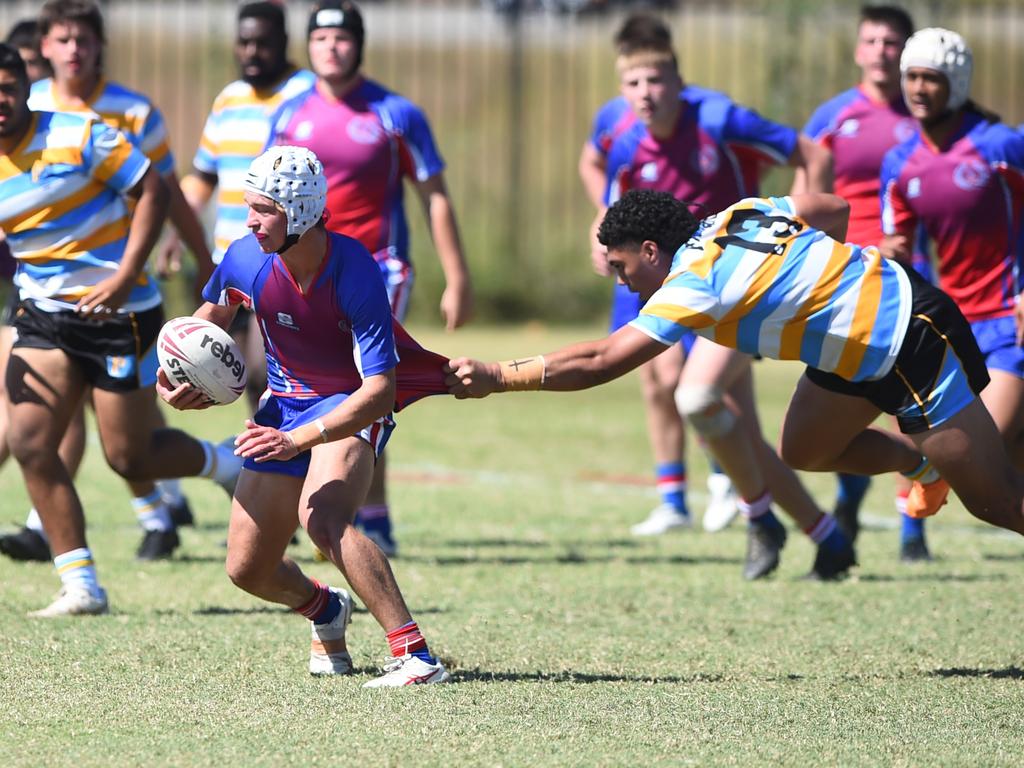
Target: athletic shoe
(409, 670)
(847, 515)
(663, 518)
(181, 513)
(764, 543)
(926, 499)
(832, 564)
(26, 544)
(328, 654)
(75, 600)
(914, 550)
(157, 545)
(722, 508)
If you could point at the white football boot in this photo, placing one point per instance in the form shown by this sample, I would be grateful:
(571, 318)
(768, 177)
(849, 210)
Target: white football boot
(663, 518)
(722, 508)
(409, 670)
(328, 654)
(75, 600)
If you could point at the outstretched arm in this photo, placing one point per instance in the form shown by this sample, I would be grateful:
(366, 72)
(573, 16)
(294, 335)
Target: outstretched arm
(578, 366)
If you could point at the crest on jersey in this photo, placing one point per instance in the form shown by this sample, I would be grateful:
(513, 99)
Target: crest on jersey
(971, 174)
(304, 130)
(705, 160)
(649, 171)
(364, 130)
(849, 128)
(903, 129)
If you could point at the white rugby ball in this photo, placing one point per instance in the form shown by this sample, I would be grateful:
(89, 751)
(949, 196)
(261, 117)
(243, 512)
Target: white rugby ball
(202, 354)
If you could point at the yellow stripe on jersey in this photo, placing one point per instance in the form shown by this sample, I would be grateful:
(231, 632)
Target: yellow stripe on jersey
(681, 315)
(760, 283)
(792, 335)
(864, 318)
(50, 211)
(105, 235)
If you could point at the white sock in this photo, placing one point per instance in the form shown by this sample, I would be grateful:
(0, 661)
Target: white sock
(220, 463)
(170, 490)
(152, 512)
(32, 522)
(77, 568)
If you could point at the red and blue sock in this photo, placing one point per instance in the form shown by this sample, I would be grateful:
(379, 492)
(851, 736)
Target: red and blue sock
(758, 511)
(323, 607)
(671, 479)
(825, 532)
(407, 639)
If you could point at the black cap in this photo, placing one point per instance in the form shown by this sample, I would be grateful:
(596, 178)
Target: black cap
(338, 14)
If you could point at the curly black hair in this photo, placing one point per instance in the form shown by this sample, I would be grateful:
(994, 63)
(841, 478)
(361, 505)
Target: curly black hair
(10, 60)
(643, 214)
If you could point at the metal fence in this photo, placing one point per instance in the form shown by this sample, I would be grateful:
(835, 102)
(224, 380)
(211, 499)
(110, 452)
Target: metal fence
(511, 97)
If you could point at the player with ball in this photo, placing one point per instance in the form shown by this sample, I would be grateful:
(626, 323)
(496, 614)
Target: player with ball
(333, 381)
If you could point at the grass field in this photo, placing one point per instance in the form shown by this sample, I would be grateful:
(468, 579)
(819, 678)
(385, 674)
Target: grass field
(570, 642)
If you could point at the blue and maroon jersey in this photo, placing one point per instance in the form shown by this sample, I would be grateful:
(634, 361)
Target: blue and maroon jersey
(969, 195)
(714, 157)
(859, 131)
(368, 142)
(611, 120)
(327, 340)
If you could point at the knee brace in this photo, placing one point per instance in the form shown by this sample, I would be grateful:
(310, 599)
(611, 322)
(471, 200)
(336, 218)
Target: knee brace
(703, 406)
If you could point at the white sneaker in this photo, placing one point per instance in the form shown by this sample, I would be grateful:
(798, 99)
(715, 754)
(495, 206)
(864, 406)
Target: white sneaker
(722, 508)
(75, 600)
(328, 654)
(663, 518)
(409, 670)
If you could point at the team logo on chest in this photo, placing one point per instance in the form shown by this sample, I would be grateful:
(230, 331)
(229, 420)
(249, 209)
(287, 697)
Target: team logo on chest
(364, 130)
(286, 320)
(649, 171)
(849, 128)
(971, 174)
(903, 130)
(304, 130)
(705, 160)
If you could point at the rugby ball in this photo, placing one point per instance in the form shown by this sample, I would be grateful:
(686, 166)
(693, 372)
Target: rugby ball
(197, 352)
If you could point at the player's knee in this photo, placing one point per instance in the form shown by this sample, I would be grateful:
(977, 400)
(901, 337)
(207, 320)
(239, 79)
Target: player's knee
(801, 454)
(703, 405)
(245, 573)
(29, 449)
(130, 465)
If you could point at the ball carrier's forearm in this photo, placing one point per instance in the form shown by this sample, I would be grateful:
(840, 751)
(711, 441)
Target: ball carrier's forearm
(373, 400)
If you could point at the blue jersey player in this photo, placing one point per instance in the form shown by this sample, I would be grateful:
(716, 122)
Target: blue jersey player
(332, 357)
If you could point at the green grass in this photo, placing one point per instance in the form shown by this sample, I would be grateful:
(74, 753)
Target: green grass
(571, 643)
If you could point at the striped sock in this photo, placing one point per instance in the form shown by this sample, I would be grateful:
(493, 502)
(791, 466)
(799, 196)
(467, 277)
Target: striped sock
(77, 568)
(323, 607)
(759, 510)
(170, 491)
(671, 479)
(220, 463)
(408, 639)
(910, 527)
(924, 474)
(824, 531)
(152, 512)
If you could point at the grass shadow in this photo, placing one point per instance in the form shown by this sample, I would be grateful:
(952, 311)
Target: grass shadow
(939, 577)
(1012, 672)
(533, 543)
(568, 676)
(568, 558)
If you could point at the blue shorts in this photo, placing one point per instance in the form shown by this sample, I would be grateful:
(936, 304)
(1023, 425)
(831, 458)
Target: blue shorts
(997, 339)
(286, 413)
(626, 305)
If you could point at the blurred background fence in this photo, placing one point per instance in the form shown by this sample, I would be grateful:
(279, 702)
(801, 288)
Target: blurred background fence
(511, 86)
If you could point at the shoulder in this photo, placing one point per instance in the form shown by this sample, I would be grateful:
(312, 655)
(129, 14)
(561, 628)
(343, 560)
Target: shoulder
(827, 113)
(40, 94)
(384, 101)
(900, 153)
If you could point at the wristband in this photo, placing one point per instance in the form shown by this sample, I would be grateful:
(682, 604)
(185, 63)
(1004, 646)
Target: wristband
(323, 431)
(308, 435)
(523, 374)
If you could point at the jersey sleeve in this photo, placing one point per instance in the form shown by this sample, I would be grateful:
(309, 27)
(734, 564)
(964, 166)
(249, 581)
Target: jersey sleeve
(208, 153)
(420, 157)
(154, 143)
(606, 122)
(228, 286)
(746, 132)
(111, 158)
(684, 303)
(364, 300)
(897, 215)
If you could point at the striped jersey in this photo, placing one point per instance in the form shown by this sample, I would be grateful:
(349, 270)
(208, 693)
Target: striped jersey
(63, 207)
(237, 131)
(130, 112)
(758, 278)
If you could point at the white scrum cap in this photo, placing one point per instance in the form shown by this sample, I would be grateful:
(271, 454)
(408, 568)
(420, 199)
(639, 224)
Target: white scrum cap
(293, 177)
(943, 51)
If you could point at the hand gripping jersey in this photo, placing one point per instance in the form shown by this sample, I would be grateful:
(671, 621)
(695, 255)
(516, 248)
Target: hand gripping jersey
(969, 195)
(63, 207)
(858, 132)
(327, 340)
(368, 142)
(759, 279)
(236, 131)
(714, 157)
(129, 112)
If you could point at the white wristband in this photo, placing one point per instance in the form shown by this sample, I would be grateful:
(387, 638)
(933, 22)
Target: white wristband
(323, 430)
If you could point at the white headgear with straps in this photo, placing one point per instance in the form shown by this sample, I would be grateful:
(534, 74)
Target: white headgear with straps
(943, 51)
(293, 177)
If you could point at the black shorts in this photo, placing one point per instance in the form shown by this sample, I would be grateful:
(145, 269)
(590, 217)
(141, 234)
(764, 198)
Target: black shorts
(116, 355)
(939, 369)
(10, 306)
